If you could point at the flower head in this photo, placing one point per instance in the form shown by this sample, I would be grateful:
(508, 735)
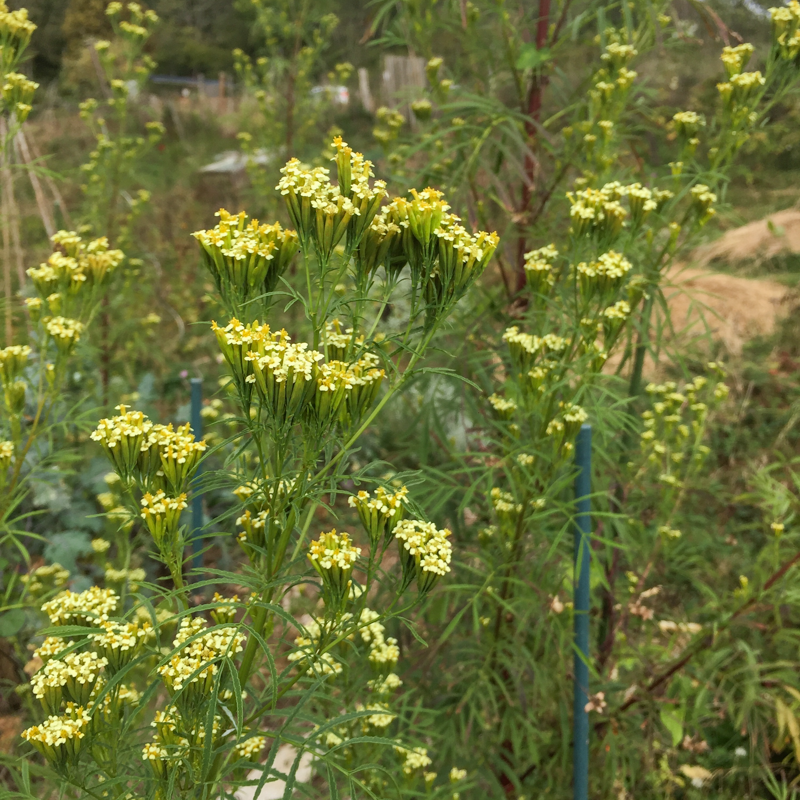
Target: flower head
(82, 608)
(333, 557)
(425, 552)
(246, 258)
(380, 512)
(58, 738)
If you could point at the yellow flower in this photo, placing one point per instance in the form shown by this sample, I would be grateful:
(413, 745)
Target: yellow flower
(13, 360)
(58, 739)
(379, 514)
(84, 608)
(250, 748)
(503, 406)
(735, 59)
(246, 258)
(162, 515)
(333, 556)
(425, 552)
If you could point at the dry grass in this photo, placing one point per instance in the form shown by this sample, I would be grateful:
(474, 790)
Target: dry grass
(757, 241)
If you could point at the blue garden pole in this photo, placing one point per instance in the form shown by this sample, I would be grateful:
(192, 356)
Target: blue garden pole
(583, 555)
(197, 499)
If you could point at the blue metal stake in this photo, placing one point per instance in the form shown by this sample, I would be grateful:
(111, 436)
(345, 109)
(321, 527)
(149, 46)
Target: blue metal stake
(583, 556)
(197, 499)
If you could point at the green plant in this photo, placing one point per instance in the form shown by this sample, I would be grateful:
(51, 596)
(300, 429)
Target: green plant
(302, 409)
(504, 637)
(38, 413)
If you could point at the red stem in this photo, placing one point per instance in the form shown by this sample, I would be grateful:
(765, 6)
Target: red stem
(534, 110)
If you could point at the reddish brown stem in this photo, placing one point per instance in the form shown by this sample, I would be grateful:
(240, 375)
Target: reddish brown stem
(705, 642)
(534, 110)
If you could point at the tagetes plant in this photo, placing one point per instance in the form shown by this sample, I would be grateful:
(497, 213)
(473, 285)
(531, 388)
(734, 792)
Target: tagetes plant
(198, 710)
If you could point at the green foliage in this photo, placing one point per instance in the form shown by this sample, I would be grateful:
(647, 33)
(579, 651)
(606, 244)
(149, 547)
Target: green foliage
(383, 387)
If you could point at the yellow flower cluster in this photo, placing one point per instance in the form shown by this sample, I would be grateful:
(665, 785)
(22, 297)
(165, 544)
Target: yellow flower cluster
(703, 200)
(13, 360)
(193, 667)
(50, 647)
(74, 676)
(118, 643)
(250, 748)
(641, 201)
(225, 612)
(283, 373)
(158, 456)
(157, 756)
(735, 59)
(427, 233)
(81, 608)
(425, 552)
(414, 759)
(346, 391)
(162, 515)
(384, 684)
(444, 257)
(254, 524)
(573, 417)
(353, 172)
(15, 33)
(324, 213)
(539, 269)
(290, 380)
(17, 95)
(503, 406)
(786, 30)
(6, 457)
(619, 55)
(380, 717)
(45, 578)
(333, 557)
(64, 331)
(339, 343)
(688, 123)
(306, 654)
(614, 318)
(74, 265)
(741, 89)
(604, 275)
(505, 506)
(380, 513)
(137, 27)
(380, 246)
(674, 424)
(245, 258)
(526, 348)
(58, 739)
(383, 652)
(599, 213)
(124, 579)
(260, 500)
(463, 256)
(613, 81)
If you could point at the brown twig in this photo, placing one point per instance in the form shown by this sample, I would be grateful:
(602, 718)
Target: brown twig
(701, 644)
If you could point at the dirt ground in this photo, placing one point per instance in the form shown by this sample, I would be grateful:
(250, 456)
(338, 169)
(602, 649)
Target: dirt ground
(725, 308)
(713, 306)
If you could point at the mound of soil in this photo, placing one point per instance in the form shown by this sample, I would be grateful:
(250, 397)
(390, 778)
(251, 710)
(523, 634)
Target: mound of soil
(722, 307)
(758, 241)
